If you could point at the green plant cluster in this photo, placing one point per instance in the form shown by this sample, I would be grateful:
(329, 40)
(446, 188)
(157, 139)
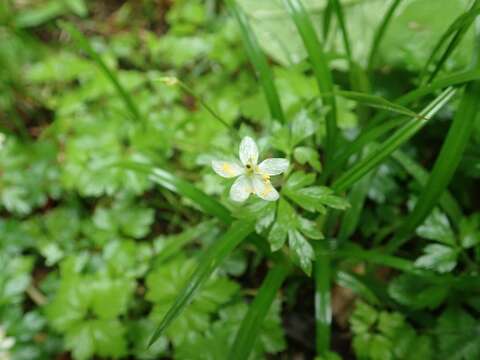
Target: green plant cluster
(118, 240)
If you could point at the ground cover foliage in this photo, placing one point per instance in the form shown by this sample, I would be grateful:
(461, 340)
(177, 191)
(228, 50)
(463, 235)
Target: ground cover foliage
(118, 239)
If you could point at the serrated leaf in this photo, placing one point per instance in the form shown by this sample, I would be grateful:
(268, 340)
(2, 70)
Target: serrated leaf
(302, 128)
(438, 257)
(304, 155)
(102, 337)
(302, 250)
(458, 335)
(470, 231)
(286, 219)
(309, 228)
(299, 179)
(437, 227)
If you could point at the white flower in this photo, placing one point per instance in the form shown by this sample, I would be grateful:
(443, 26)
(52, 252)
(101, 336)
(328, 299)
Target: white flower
(252, 178)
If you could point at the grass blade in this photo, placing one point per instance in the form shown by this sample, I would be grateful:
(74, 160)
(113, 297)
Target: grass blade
(252, 322)
(259, 62)
(445, 165)
(377, 102)
(354, 283)
(84, 44)
(458, 78)
(380, 32)
(455, 33)
(320, 68)
(407, 266)
(323, 303)
(446, 201)
(337, 8)
(402, 135)
(351, 217)
(209, 261)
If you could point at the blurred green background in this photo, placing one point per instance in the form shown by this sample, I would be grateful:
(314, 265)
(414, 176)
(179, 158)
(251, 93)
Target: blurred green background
(93, 254)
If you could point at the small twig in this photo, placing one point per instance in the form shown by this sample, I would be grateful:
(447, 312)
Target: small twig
(37, 297)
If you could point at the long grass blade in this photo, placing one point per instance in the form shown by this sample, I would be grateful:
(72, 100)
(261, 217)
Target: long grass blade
(379, 258)
(455, 32)
(446, 201)
(377, 102)
(378, 126)
(320, 68)
(338, 9)
(323, 302)
(84, 44)
(445, 165)
(356, 199)
(259, 62)
(209, 261)
(401, 136)
(252, 322)
(353, 282)
(379, 34)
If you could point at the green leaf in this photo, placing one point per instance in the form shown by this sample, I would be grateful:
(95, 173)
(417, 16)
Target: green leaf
(285, 220)
(363, 317)
(417, 292)
(470, 231)
(457, 335)
(309, 228)
(302, 127)
(303, 251)
(438, 257)
(315, 198)
(299, 179)
(304, 155)
(436, 227)
(214, 255)
(103, 337)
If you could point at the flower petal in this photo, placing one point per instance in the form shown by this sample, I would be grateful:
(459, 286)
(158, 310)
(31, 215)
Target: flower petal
(227, 169)
(263, 189)
(241, 189)
(248, 151)
(273, 166)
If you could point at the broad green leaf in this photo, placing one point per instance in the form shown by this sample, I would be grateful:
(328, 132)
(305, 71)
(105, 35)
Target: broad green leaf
(103, 337)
